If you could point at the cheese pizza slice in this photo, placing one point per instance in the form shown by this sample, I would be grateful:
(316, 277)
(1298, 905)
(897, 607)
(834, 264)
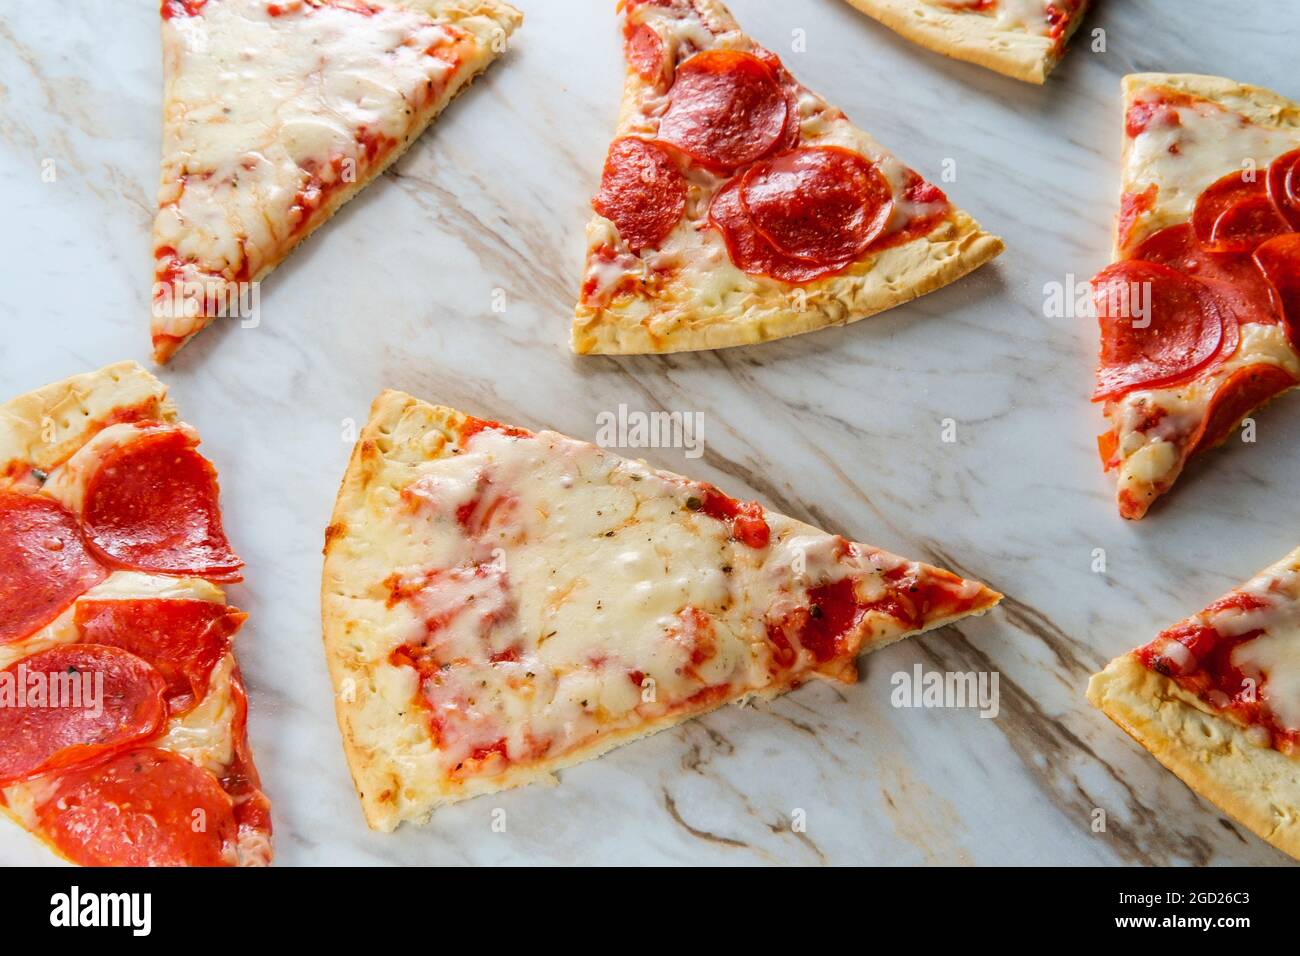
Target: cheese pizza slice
(123, 717)
(1024, 39)
(737, 206)
(500, 604)
(1200, 313)
(276, 114)
(1216, 699)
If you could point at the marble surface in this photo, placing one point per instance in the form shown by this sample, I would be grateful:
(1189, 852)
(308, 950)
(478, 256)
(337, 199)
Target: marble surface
(841, 428)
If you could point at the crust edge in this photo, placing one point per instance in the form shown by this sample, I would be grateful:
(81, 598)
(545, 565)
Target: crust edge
(1257, 786)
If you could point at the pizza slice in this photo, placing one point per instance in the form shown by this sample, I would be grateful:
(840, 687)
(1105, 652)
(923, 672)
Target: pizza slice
(1023, 39)
(499, 604)
(123, 717)
(276, 114)
(737, 206)
(1216, 699)
(1200, 312)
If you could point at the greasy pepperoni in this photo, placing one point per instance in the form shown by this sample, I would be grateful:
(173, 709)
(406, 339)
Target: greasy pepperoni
(642, 192)
(820, 205)
(726, 109)
(1279, 261)
(93, 700)
(183, 640)
(1182, 330)
(1235, 215)
(145, 807)
(152, 506)
(751, 252)
(644, 51)
(1234, 276)
(1245, 390)
(44, 563)
(1284, 187)
(241, 782)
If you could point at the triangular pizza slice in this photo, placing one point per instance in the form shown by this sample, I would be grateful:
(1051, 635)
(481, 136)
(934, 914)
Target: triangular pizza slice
(276, 114)
(1024, 39)
(500, 604)
(1200, 314)
(1216, 699)
(737, 206)
(123, 715)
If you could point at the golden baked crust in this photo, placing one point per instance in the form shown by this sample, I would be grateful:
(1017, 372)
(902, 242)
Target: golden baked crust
(1255, 785)
(491, 22)
(971, 37)
(44, 427)
(711, 305)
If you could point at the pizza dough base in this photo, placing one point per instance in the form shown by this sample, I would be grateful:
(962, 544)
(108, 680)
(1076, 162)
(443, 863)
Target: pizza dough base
(384, 745)
(43, 428)
(970, 37)
(505, 17)
(1255, 785)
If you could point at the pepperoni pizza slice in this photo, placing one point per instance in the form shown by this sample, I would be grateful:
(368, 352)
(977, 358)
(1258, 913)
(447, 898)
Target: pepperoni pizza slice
(122, 712)
(276, 114)
(1216, 699)
(1200, 312)
(500, 604)
(737, 206)
(1024, 39)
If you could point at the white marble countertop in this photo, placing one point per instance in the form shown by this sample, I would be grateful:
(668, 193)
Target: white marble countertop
(841, 428)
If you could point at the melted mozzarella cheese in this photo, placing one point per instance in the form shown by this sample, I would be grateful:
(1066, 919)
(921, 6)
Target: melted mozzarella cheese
(1155, 455)
(259, 103)
(205, 735)
(1181, 159)
(551, 583)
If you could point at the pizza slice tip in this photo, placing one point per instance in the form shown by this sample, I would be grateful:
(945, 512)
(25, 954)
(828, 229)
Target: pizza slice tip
(1200, 313)
(258, 152)
(499, 604)
(736, 206)
(1216, 699)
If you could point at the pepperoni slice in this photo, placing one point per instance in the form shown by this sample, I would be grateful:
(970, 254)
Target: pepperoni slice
(74, 703)
(751, 252)
(44, 563)
(1217, 199)
(1279, 261)
(1235, 277)
(1245, 390)
(1284, 187)
(726, 109)
(644, 51)
(1236, 215)
(823, 204)
(183, 640)
(642, 192)
(1158, 326)
(145, 807)
(152, 506)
